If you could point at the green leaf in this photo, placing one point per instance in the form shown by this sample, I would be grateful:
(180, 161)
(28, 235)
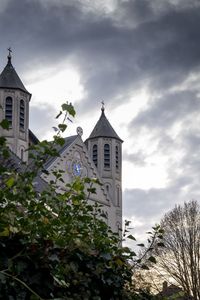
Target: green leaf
(2, 140)
(69, 108)
(119, 262)
(126, 249)
(62, 127)
(87, 180)
(92, 190)
(152, 259)
(144, 267)
(60, 113)
(5, 124)
(160, 244)
(127, 223)
(5, 153)
(5, 232)
(160, 236)
(131, 237)
(10, 182)
(60, 141)
(75, 202)
(140, 245)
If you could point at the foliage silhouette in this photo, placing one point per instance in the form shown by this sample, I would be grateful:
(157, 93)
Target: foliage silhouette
(54, 244)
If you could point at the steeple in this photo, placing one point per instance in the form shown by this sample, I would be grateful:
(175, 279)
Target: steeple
(9, 78)
(103, 127)
(14, 107)
(105, 149)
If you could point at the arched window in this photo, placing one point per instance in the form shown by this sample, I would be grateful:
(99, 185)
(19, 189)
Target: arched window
(117, 157)
(119, 227)
(22, 154)
(21, 114)
(118, 196)
(95, 155)
(9, 110)
(106, 156)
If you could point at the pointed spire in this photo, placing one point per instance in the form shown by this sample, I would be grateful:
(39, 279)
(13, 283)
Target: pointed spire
(9, 77)
(103, 127)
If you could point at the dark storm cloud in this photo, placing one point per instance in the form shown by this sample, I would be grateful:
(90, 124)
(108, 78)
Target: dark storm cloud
(161, 119)
(165, 111)
(191, 160)
(113, 57)
(156, 202)
(152, 44)
(147, 207)
(135, 11)
(160, 52)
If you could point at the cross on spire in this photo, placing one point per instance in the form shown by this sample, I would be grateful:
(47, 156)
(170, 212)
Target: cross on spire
(103, 106)
(9, 55)
(9, 52)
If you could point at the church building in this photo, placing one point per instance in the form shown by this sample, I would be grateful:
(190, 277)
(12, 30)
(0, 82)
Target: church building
(100, 156)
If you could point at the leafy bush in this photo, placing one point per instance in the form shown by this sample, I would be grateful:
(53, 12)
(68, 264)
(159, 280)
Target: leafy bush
(57, 245)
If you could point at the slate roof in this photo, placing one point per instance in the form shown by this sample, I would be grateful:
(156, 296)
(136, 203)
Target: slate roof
(10, 79)
(103, 128)
(68, 141)
(32, 137)
(13, 162)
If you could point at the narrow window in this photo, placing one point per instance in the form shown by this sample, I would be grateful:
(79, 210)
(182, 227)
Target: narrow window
(119, 227)
(21, 114)
(22, 154)
(95, 155)
(106, 156)
(117, 158)
(9, 110)
(118, 196)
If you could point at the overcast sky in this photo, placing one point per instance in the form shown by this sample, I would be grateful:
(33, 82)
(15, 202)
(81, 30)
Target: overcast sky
(142, 58)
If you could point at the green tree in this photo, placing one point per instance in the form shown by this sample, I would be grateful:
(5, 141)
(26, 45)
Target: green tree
(57, 245)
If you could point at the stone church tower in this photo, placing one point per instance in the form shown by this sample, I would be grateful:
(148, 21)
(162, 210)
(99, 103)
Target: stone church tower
(99, 157)
(105, 149)
(14, 106)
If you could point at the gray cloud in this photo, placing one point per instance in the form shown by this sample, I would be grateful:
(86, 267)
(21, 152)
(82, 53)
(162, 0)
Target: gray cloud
(113, 58)
(41, 120)
(166, 110)
(147, 207)
(138, 43)
(137, 158)
(191, 161)
(154, 203)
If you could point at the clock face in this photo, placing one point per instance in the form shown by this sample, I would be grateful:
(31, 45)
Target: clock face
(77, 169)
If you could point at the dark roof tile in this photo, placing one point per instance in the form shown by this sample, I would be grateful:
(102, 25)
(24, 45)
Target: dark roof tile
(10, 79)
(103, 128)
